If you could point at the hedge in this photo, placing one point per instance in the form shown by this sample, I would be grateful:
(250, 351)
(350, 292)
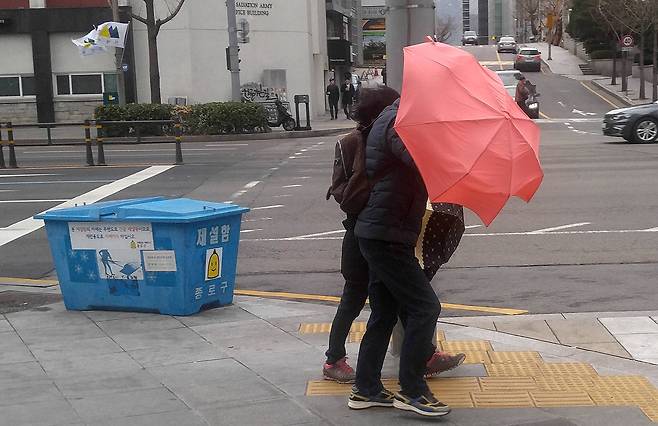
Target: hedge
(200, 119)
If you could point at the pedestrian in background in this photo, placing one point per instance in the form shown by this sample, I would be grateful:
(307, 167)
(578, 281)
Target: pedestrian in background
(347, 91)
(522, 92)
(387, 229)
(333, 95)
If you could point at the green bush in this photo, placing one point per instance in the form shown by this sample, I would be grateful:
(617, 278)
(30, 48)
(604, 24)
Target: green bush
(200, 119)
(601, 54)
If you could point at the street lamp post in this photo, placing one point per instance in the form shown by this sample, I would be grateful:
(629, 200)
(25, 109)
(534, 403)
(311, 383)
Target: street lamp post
(234, 59)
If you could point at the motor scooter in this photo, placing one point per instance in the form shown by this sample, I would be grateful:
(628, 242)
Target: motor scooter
(532, 104)
(283, 117)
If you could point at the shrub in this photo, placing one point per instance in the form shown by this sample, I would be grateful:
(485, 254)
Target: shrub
(201, 119)
(602, 54)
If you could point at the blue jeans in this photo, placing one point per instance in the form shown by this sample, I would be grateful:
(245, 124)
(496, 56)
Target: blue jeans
(397, 283)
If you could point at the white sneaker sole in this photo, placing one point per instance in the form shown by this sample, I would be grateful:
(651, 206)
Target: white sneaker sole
(406, 407)
(362, 405)
(342, 382)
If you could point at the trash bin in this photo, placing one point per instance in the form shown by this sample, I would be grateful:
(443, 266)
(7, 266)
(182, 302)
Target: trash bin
(171, 256)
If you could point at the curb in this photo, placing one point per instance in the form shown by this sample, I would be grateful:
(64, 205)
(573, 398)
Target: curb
(621, 98)
(203, 138)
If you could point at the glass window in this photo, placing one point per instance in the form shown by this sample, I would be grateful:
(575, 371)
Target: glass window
(86, 84)
(63, 85)
(29, 85)
(110, 82)
(9, 86)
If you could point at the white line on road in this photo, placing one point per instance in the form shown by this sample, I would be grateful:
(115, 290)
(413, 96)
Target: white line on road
(29, 225)
(252, 184)
(227, 144)
(320, 234)
(256, 220)
(567, 120)
(246, 231)
(28, 175)
(472, 226)
(54, 181)
(291, 186)
(31, 201)
(276, 206)
(559, 228)
(302, 177)
(282, 196)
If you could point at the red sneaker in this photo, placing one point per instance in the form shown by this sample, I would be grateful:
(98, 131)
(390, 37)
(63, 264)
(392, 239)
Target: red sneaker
(340, 371)
(442, 361)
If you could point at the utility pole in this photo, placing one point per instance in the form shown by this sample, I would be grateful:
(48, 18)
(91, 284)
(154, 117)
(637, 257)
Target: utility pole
(408, 22)
(118, 58)
(234, 59)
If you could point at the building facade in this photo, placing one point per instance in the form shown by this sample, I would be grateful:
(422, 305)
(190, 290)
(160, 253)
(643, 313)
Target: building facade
(43, 78)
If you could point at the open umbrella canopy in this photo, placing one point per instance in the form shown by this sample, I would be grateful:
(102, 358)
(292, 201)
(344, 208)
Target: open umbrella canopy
(472, 143)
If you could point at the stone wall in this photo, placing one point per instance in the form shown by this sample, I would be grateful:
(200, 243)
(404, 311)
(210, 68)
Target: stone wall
(18, 112)
(68, 111)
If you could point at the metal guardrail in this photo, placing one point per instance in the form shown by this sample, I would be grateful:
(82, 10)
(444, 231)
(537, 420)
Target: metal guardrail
(87, 126)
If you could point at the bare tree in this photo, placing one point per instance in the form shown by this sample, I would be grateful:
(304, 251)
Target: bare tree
(528, 12)
(153, 26)
(613, 14)
(444, 28)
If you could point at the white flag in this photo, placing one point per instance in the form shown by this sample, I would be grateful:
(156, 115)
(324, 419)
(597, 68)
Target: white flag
(112, 34)
(88, 45)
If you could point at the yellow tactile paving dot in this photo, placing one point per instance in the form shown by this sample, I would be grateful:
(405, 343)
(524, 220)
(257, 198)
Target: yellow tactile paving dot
(515, 370)
(355, 337)
(651, 411)
(454, 384)
(474, 357)
(557, 383)
(502, 400)
(623, 397)
(623, 382)
(504, 384)
(315, 327)
(561, 398)
(326, 388)
(356, 334)
(440, 336)
(455, 399)
(506, 357)
(466, 346)
(567, 368)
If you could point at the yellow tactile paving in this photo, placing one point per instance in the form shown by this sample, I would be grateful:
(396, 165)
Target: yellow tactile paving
(561, 398)
(440, 336)
(355, 337)
(313, 328)
(505, 357)
(357, 331)
(466, 346)
(503, 384)
(515, 379)
(502, 399)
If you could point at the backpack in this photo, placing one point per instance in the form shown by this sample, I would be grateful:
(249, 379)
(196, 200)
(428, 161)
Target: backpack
(350, 186)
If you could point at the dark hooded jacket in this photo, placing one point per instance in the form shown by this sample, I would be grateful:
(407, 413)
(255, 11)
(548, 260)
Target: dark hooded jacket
(396, 205)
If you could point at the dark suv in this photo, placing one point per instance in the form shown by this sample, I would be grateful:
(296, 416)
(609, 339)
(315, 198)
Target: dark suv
(470, 37)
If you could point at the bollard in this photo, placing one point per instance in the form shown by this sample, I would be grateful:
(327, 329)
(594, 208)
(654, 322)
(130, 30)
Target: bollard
(90, 153)
(99, 145)
(50, 138)
(2, 153)
(178, 131)
(12, 151)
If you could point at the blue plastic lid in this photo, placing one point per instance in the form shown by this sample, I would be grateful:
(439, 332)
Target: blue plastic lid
(156, 209)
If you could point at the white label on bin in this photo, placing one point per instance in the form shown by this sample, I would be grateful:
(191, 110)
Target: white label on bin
(111, 236)
(160, 261)
(213, 268)
(119, 264)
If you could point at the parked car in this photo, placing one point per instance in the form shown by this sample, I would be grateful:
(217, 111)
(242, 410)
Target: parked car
(470, 37)
(507, 44)
(529, 59)
(510, 79)
(637, 124)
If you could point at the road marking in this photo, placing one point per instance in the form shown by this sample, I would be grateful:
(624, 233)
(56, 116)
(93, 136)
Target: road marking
(586, 86)
(8, 190)
(577, 111)
(257, 220)
(32, 201)
(246, 231)
(472, 226)
(116, 150)
(282, 196)
(29, 225)
(320, 234)
(26, 282)
(276, 206)
(544, 115)
(335, 299)
(28, 175)
(252, 184)
(500, 62)
(567, 120)
(559, 228)
(227, 144)
(302, 177)
(291, 186)
(54, 181)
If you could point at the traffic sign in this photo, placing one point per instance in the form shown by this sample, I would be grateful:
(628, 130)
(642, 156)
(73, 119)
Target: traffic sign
(627, 41)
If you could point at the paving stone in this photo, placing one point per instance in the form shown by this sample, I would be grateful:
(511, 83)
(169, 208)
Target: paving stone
(269, 309)
(139, 325)
(221, 315)
(74, 348)
(479, 322)
(102, 365)
(602, 416)
(99, 316)
(575, 331)
(52, 412)
(630, 325)
(126, 403)
(16, 355)
(71, 332)
(81, 386)
(639, 345)
(163, 339)
(5, 326)
(153, 357)
(606, 348)
(173, 418)
(651, 360)
(534, 329)
(27, 320)
(20, 393)
(592, 315)
(21, 373)
(277, 412)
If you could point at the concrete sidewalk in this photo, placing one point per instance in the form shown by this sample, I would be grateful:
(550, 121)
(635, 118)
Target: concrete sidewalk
(259, 362)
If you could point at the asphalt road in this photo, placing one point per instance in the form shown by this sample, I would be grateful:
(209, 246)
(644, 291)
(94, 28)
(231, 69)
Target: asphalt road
(588, 241)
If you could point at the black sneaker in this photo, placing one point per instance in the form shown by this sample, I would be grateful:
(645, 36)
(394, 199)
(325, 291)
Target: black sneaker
(425, 405)
(358, 401)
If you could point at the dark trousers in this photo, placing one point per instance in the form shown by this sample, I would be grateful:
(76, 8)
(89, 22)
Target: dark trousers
(347, 109)
(397, 282)
(333, 107)
(355, 271)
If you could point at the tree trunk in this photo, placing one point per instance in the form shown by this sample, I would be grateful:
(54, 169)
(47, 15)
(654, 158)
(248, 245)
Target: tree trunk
(643, 93)
(624, 77)
(613, 82)
(654, 80)
(154, 67)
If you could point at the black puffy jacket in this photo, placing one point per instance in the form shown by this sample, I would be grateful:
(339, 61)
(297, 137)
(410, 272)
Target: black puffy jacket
(396, 206)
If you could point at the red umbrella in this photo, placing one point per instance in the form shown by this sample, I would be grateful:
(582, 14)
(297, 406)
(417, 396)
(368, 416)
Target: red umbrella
(472, 143)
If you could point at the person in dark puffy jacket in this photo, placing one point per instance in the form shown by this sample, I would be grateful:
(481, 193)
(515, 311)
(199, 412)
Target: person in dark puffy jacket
(387, 230)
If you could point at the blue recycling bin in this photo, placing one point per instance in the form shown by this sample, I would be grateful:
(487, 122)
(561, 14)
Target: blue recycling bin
(171, 256)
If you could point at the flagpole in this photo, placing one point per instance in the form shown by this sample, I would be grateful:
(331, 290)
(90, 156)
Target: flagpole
(118, 58)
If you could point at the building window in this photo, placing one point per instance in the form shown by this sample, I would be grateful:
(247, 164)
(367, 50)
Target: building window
(86, 84)
(17, 85)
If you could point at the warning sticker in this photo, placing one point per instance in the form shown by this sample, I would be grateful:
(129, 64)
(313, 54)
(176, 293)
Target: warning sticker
(160, 261)
(111, 236)
(213, 263)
